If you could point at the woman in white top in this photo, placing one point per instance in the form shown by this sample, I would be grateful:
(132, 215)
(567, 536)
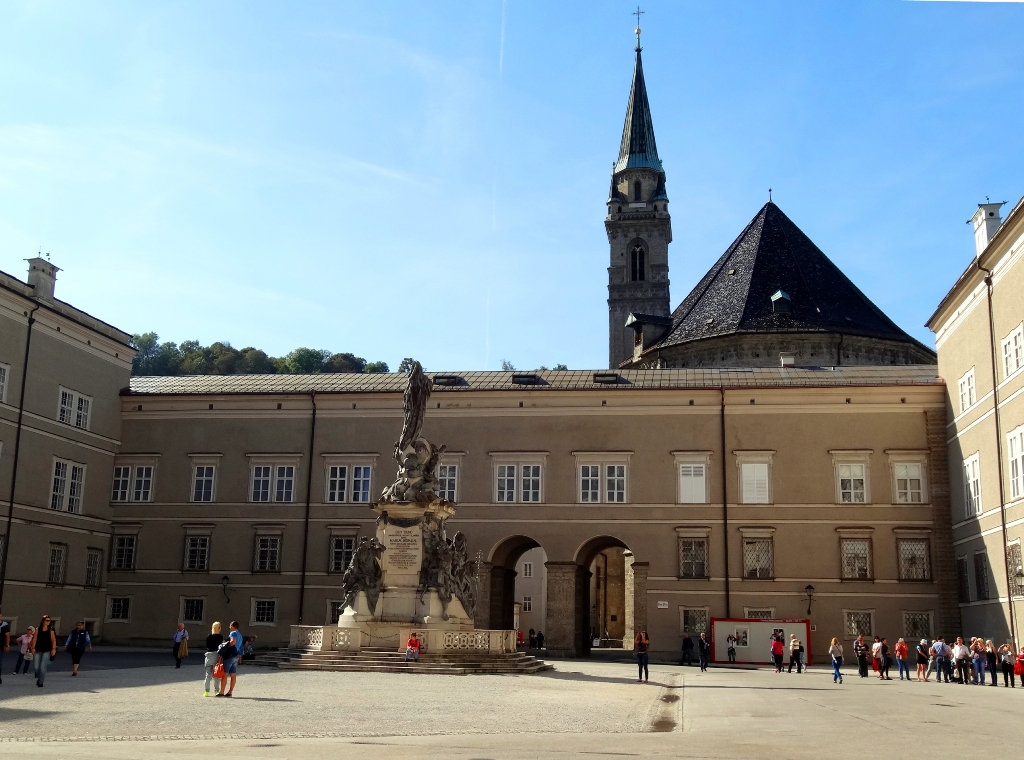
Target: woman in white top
(836, 651)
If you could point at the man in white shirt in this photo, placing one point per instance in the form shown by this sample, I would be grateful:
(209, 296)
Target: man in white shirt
(962, 658)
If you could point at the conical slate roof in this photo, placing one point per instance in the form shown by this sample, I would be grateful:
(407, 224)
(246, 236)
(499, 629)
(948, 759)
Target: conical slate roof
(772, 254)
(638, 149)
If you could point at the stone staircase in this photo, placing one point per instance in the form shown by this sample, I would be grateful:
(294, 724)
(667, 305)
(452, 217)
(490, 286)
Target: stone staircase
(371, 660)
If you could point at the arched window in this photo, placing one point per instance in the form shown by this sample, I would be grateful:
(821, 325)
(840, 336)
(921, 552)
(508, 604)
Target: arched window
(638, 263)
(637, 188)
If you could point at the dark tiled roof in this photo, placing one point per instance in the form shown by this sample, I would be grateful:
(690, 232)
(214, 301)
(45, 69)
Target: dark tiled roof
(773, 254)
(638, 149)
(648, 379)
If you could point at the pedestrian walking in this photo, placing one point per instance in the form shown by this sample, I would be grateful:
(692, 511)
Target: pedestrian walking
(540, 639)
(962, 660)
(5, 643)
(876, 656)
(642, 644)
(77, 644)
(412, 648)
(704, 651)
(835, 651)
(229, 653)
(25, 646)
(210, 656)
(687, 650)
(978, 661)
(730, 645)
(991, 661)
(44, 649)
(860, 649)
(794, 653)
(533, 639)
(180, 648)
(900, 652)
(778, 650)
(1006, 663)
(924, 660)
(883, 660)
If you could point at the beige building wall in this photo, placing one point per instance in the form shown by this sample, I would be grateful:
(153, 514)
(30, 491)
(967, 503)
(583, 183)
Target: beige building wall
(797, 423)
(984, 428)
(57, 547)
(531, 585)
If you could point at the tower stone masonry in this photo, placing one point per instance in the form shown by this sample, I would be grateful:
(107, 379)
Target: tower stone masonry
(638, 225)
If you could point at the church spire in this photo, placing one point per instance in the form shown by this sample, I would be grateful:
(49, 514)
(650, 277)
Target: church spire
(638, 149)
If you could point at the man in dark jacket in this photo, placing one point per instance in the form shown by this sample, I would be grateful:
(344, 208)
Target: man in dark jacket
(704, 651)
(687, 650)
(76, 645)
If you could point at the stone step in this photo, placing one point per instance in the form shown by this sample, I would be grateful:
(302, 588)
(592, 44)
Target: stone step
(381, 660)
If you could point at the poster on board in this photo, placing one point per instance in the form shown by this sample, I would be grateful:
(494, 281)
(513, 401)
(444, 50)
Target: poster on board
(752, 638)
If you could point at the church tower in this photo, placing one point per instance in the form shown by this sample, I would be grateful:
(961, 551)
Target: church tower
(638, 225)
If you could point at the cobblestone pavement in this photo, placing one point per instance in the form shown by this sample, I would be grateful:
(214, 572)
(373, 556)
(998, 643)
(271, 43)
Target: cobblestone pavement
(582, 708)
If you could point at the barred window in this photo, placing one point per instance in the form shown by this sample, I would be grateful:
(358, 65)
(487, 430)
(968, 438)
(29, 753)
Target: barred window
(447, 478)
(93, 563)
(120, 608)
(143, 483)
(361, 485)
(963, 581)
(917, 625)
(695, 621)
(859, 623)
(908, 483)
(123, 557)
(202, 483)
(590, 478)
(759, 614)
(122, 476)
(261, 483)
(531, 483)
(616, 483)
(856, 554)
(284, 484)
(265, 611)
(1013, 561)
(851, 484)
(336, 609)
(915, 559)
(342, 549)
(757, 558)
(197, 552)
(268, 554)
(981, 575)
(58, 564)
(693, 558)
(192, 610)
(506, 482)
(337, 476)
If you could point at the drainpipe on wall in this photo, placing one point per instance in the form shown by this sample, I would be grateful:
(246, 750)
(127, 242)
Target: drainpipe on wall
(17, 451)
(305, 523)
(999, 447)
(725, 512)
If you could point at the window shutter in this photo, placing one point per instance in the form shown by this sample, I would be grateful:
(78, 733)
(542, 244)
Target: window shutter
(692, 486)
(755, 483)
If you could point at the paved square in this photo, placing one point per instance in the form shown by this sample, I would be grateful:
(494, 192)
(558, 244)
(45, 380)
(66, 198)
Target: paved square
(582, 708)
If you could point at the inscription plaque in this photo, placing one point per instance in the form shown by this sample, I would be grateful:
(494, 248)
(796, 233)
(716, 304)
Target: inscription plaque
(404, 549)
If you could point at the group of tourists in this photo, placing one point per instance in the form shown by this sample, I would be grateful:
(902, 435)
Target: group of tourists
(960, 663)
(221, 658)
(37, 647)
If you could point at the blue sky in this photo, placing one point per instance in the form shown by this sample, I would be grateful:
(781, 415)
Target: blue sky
(415, 179)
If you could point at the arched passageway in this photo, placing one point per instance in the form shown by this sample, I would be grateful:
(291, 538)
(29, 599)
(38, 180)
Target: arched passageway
(502, 596)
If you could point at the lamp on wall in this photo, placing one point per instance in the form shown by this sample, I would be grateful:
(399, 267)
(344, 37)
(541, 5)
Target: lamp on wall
(809, 590)
(224, 585)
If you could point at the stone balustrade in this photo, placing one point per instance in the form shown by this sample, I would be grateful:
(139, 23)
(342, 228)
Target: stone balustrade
(318, 638)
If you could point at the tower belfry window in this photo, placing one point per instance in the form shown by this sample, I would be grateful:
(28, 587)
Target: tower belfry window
(637, 190)
(638, 263)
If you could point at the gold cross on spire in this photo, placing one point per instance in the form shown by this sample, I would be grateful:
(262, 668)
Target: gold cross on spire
(638, 13)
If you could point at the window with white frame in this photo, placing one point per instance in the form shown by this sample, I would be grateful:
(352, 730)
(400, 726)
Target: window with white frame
(264, 611)
(122, 483)
(693, 484)
(123, 554)
(856, 558)
(755, 486)
(5, 373)
(271, 481)
(74, 408)
(93, 567)
(337, 483)
(261, 479)
(197, 553)
(858, 623)
(759, 613)
(203, 481)
(527, 569)
(914, 555)
(917, 625)
(981, 576)
(349, 478)
(56, 574)
(590, 483)
(693, 557)
(615, 483)
(1015, 451)
(530, 488)
(267, 554)
(758, 557)
(119, 609)
(967, 392)
(506, 486)
(1013, 351)
(192, 610)
(68, 485)
(909, 482)
(518, 478)
(602, 477)
(972, 485)
(361, 484)
(852, 483)
(448, 480)
(342, 549)
(143, 483)
(132, 482)
(527, 604)
(963, 581)
(693, 620)
(284, 483)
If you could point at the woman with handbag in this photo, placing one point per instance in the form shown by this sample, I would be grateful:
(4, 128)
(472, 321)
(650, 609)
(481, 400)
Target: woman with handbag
(44, 645)
(180, 649)
(1007, 660)
(213, 642)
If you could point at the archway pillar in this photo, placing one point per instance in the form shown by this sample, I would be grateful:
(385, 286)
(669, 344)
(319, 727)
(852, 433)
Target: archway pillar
(566, 632)
(636, 599)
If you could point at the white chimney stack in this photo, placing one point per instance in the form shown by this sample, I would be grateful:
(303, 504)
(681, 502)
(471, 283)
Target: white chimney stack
(986, 221)
(41, 276)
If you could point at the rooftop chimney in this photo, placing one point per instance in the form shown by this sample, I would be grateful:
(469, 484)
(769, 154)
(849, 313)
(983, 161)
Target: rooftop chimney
(986, 221)
(41, 277)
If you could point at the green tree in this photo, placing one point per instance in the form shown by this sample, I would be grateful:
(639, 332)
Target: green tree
(406, 365)
(147, 348)
(561, 368)
(307, 361)
(374, 367)
(345, 363)
(252, 361)
(507, 366)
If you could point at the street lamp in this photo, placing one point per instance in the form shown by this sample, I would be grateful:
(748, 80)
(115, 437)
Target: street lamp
(224, 584)
(809, 590)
